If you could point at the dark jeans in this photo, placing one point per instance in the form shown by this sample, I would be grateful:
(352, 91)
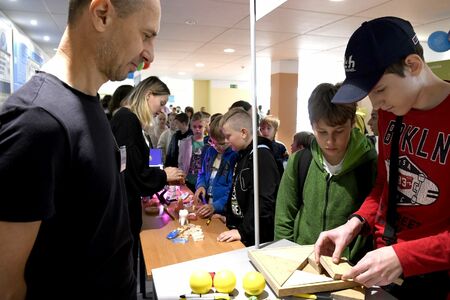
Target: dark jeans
(434, 286)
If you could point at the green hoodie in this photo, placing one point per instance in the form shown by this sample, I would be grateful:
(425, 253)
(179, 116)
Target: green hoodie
(328, 200)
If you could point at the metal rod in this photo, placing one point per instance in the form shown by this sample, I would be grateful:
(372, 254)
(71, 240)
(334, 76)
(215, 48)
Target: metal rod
(254, 114)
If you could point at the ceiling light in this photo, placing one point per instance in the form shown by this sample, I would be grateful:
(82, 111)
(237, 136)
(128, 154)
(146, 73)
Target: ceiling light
(46, 38)
(229, 50)
(336, 0)
(199, 65)
(190, 22)
(33, 22)
(181, 73)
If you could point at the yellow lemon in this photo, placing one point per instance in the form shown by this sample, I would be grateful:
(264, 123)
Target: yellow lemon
(200, 282)
(224, 281)
(254, 283)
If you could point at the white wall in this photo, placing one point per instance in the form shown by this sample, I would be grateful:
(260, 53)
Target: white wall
(314, 69)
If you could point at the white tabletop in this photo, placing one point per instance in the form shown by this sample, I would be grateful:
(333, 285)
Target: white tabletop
(172, 281)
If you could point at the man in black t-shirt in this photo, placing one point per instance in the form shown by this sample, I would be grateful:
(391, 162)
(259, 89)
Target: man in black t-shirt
(63, 210)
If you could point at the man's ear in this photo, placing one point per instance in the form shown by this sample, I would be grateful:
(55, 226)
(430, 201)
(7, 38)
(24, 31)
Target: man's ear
(101, 13)
(414, 64)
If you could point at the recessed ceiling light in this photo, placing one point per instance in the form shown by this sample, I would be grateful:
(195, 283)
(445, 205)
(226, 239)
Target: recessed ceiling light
(229, 50)
(33, 22)
(190, 22)
(46, 38)
(199, 65)
(336, 0)
(181, 73)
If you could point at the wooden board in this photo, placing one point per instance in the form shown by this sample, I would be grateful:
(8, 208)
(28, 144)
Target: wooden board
(335, 270)
(277, 266)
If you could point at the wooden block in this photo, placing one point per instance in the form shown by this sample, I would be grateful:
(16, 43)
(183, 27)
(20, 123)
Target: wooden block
(312, 263)
(398, 281)
(357, 293)
(281, 262)
(335, 270)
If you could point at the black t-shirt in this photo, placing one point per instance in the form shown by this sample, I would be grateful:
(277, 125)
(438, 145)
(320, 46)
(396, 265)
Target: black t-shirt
(59, 164)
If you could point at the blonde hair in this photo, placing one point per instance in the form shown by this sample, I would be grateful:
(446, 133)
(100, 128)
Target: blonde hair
(215, 130)
(137, 100)
(272, 121)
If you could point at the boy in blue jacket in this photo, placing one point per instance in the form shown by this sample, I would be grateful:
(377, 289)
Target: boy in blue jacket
(216, 175)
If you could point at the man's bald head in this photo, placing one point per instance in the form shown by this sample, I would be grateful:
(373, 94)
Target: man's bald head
(123, 8)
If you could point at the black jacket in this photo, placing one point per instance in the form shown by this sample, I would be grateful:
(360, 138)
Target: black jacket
(173, 151)
(240, 207)
(140, 179)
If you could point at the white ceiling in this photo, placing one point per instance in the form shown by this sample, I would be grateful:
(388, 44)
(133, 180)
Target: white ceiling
(297, 27)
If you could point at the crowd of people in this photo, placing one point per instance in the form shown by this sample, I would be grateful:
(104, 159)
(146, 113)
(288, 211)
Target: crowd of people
(72, 180)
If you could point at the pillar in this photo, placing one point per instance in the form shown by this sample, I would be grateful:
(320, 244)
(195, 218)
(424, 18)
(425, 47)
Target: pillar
(283, 101)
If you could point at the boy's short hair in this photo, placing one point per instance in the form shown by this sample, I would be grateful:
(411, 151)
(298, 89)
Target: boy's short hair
(182, 118)
(242, 104)
(189, 109)
(398, 67)
(215, 130)
(372, 48)
(237, 118)
(198, 116)
(205, 115)
(272, 121)
(303, 138)
(215, 116)
(320, 106)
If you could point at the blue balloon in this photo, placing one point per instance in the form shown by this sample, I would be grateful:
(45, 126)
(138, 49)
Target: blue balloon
(438, 41)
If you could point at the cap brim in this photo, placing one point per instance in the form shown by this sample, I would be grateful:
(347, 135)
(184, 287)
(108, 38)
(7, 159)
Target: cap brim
(355, 89)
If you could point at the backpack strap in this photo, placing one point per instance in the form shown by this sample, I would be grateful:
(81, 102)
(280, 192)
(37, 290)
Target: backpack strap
(261, 146)
(303, 162)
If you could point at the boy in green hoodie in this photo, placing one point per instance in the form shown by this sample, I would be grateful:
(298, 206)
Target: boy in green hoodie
(338, 177)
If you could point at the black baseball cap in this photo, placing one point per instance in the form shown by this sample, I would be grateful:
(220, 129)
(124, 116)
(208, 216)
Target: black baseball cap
(373, 47)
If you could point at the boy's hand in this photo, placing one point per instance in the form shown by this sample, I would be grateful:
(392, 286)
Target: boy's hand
(229, 236)
(378, 267)
(199, 194)
(333, 242)
(205, 211)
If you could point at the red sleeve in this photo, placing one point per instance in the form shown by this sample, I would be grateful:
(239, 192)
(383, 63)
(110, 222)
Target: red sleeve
(425, 255)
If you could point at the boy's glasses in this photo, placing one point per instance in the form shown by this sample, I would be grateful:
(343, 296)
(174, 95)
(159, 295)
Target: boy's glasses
(215, 144)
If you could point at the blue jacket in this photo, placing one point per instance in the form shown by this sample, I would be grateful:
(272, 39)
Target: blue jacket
(224, 177)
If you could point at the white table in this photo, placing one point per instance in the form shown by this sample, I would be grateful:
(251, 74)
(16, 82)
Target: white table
(172, 281)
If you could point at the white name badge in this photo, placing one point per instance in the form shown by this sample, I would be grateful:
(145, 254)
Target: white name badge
(123, 158)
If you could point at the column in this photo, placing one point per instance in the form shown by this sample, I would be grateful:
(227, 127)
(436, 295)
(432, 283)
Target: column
(283, 102)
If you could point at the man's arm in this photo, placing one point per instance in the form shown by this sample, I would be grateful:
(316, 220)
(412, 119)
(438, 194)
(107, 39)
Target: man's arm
(16, 242)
